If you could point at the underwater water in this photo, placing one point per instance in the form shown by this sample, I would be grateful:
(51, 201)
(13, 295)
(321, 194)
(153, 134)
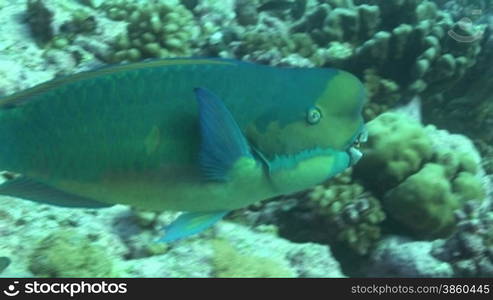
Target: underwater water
(246, 138)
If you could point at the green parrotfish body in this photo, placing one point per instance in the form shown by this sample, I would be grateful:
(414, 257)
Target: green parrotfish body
(204, 136)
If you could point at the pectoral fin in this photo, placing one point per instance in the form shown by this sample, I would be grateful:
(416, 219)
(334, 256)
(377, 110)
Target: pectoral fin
(223, 143)
(189, 224)
(29, 189)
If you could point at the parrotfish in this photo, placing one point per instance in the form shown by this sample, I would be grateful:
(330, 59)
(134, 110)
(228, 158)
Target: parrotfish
(203, 136)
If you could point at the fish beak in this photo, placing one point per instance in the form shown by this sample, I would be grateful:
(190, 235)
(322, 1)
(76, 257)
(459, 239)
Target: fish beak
(354, 153)
(363, 137)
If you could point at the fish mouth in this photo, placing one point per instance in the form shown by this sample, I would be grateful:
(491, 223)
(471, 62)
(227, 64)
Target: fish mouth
(354, 155)
(353, 152)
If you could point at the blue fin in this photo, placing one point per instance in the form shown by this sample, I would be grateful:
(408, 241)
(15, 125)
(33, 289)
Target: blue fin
(25, 188)
(189, 224)
(223, 142)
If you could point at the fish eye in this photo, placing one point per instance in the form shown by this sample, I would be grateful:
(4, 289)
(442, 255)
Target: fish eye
(313, 115)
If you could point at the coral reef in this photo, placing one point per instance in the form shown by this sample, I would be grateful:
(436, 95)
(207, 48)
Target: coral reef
(70, 254)
(339, 211)
(55, 25)
(373, 39)
(71, 36)
(350, 215)
(81, 235)
(410, 172)
(466, 8)
(228, 263)
(470, 249)
(420, 176)
(423, 174)
(40, 18)
(428, 196)
(397, 147)
(155, 29)
(468, 108)
(17, 51)
(398, 256)
(486, 150)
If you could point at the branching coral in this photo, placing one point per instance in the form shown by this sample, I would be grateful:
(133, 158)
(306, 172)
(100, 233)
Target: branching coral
(155, 29)
(468, 107)
(405, 43)
(350, 215)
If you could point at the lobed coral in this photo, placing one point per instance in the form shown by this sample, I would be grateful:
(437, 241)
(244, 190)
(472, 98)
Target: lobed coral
(418, 179)
(425, 202)
(397, 147)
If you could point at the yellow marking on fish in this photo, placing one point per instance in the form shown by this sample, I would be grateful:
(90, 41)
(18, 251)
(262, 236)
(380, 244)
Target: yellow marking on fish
(197, 221)
(21, 97)
(340, 105)
(276, 138)
(306, 173)
(176, 188)
(153, 140)
(340, 95)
